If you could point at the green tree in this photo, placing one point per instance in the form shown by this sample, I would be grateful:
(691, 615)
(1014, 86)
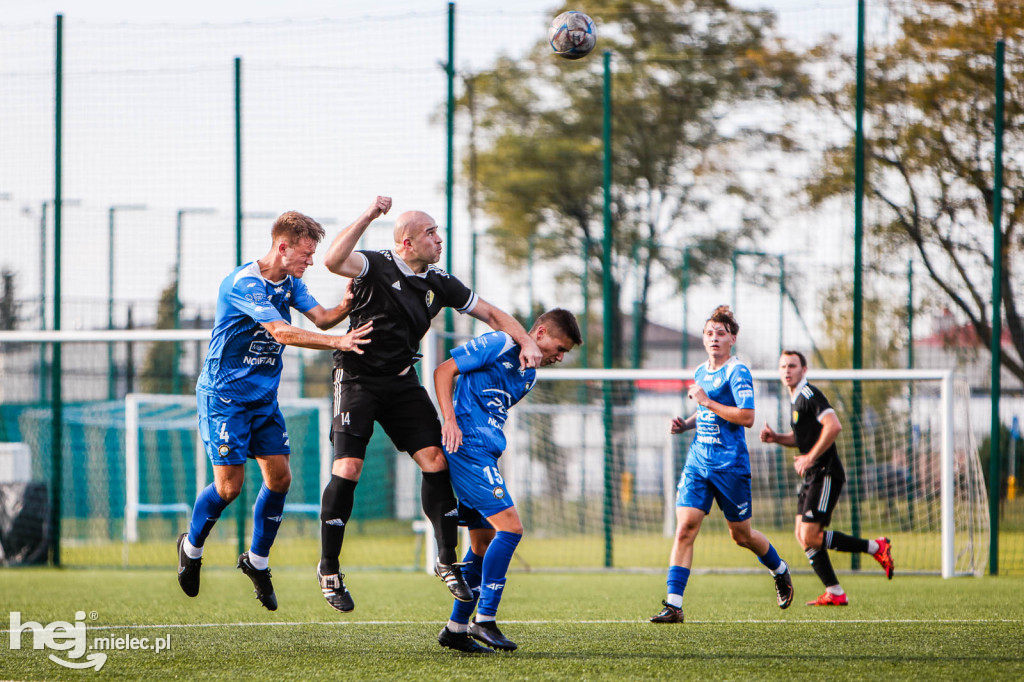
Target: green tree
(159, 361)
(680, 70)
(930, 106)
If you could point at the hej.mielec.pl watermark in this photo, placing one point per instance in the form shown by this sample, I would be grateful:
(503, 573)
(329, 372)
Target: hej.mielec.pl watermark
(73, 639)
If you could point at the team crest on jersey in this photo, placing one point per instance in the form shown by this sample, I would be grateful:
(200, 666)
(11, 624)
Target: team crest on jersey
(223, 451)
(796, 416)
(499, 493)
(717, 382)
(430, 298)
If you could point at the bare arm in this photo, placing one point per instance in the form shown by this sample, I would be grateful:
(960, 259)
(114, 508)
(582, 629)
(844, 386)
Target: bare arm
(830, 428)
(785, 439)
(743, 416)
(290, 335)
(680, 424)
(499, 320)
(444, 390)
(325, 318)
(339, 258)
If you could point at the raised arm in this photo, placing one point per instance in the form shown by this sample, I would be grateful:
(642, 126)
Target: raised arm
(500, 321)
(444, 391)
(339, 258)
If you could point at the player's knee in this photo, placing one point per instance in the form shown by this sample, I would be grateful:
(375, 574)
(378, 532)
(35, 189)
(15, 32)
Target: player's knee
(280, 482)
(741, 537)
(431, 460)
(686, 533)
(229, 490)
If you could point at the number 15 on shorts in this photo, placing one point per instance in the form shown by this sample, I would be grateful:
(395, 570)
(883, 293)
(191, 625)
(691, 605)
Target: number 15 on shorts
(493, 475)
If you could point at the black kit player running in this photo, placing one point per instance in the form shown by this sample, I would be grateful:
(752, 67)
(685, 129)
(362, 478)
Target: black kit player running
(401, 291)
(815, 428)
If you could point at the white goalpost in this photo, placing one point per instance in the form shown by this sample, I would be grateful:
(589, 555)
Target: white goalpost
(140, 415)
(918, 477)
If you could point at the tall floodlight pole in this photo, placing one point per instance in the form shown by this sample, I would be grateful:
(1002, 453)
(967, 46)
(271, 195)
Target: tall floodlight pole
(182, 212)
(111, 378)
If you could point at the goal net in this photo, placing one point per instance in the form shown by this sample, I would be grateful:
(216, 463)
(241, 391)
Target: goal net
(593, 469)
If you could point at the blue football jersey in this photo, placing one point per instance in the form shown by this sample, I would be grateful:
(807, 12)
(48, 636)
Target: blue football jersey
(720, 444)
(244, 361)
(489, 383)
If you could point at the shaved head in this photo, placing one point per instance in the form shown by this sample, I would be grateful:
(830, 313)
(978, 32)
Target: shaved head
(409, 223)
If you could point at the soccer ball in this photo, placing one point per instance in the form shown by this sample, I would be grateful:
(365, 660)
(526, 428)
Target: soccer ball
(572, 35)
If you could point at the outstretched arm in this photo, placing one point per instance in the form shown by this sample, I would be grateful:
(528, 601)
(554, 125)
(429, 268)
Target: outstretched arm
(444, 390)
(339, 258)
(290, 335)
(499, 320)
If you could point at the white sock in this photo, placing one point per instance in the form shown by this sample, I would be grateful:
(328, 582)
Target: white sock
(260, 563)
(872, 546)
(783, 567)
(190, 551)
(457, 627)
(675, 600)
(835, 589)
(483, 619)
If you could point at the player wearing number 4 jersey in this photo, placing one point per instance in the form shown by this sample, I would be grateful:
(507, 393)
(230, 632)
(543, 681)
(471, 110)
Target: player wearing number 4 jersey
(490, 382)
(718, 465)
(239, 418)
(815, 427)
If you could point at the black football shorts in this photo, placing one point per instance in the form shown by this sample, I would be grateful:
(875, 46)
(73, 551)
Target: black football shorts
(819, 495)
(399, 404)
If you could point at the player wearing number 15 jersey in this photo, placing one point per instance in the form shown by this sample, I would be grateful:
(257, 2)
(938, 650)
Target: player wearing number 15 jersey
(237, 393)
(490, 382)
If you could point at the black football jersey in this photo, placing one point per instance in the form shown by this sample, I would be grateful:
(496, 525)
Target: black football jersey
(809, 405)
(401, 304)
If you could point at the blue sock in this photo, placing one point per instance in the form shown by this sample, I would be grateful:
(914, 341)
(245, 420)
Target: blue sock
(266, 519)
(496, 561)
(771, 559)
(462, 610)
(205, 513)
(677, 577)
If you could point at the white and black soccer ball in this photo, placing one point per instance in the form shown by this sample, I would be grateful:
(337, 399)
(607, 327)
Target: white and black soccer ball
(572, 35)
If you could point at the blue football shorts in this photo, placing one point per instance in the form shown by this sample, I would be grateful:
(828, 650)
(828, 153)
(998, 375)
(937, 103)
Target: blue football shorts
(234, 431)
(729, 488)
(477, 482)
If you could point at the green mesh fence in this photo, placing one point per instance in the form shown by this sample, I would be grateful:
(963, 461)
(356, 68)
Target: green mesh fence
(336, 111)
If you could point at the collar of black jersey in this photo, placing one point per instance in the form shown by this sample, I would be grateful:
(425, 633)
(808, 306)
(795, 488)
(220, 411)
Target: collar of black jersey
(404, 268)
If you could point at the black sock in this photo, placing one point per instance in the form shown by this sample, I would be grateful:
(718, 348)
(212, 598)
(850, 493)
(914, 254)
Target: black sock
(844, 543)
(822, 566)
(335, 510)
(441, 508)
